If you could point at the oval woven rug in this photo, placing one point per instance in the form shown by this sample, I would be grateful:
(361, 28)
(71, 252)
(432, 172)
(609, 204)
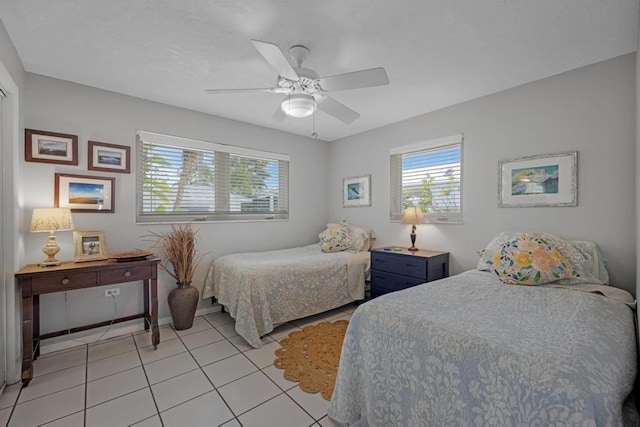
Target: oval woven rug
(311, 356)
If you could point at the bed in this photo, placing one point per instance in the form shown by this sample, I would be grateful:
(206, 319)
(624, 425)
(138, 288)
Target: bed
(472, 350)
(263, 289)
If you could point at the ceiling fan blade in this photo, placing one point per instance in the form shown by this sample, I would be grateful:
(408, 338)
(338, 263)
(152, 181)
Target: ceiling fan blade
(250, 90)
(355, 80)
(274, 56)
(336, 109)
(278, 116)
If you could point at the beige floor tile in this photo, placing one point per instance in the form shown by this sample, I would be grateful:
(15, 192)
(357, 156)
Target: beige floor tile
(165, 349)
(229, 369)
(242, 345)
(277, 376)
(9, 396)
(219, 318)
(73, 420)
(328, 422)
(123, 411)
(4, 416)
(145, 338)
(198, 339)
(314, 404)
(214, 352)
(116, 385)
(61, 360)
(263, 356)
(199, 324)
(283, 331)
(180, 389)
(151, 422)
(170, 367)
(53, 382)
(248, 392)
(228, 330)
(111, 347)
(206, 410)
(277, 412)
(112, 365)
(48, 408)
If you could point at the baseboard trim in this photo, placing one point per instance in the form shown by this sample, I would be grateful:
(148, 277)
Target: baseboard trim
(65, 342)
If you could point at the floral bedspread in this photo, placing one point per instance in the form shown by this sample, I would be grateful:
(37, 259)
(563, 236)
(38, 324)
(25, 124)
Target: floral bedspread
(263, 289)
(470, 350)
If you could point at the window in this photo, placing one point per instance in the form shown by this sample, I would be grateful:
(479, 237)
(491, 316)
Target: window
(180, 179)
(428, 175)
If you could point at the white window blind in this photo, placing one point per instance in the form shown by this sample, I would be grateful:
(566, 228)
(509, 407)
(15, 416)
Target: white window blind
(428, 175)
(180, 179)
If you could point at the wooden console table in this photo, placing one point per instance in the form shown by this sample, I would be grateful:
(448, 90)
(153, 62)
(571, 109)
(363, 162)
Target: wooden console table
(35, 280)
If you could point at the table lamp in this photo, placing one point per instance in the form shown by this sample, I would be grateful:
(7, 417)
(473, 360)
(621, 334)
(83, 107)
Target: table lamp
(413, 215)
(51, 220)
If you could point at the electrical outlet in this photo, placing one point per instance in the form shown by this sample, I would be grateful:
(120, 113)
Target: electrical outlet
(112, 292)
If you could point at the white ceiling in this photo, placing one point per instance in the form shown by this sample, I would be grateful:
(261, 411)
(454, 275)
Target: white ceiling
(436, 52)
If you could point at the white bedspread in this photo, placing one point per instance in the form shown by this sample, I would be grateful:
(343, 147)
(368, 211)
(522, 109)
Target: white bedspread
(263, 289)
(470, 350)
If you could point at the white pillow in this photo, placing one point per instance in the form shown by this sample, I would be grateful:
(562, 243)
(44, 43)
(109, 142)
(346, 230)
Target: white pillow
(362, 237)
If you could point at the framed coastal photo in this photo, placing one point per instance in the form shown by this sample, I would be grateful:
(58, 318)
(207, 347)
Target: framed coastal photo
(545, 180)
(356, 191)
(109, 157)
(89, 246)
(50, 147)
(82, 193)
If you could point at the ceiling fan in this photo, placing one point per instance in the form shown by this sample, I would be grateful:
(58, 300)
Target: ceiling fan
(305, 90)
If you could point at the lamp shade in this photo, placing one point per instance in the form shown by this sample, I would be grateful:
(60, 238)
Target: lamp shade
(298, 105)
(413, 215)
(51, 219)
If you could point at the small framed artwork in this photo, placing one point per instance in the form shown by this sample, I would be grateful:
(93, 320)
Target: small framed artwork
(545, 180)
(82, 193)
(90, 246)
(356, 191)
(50, 147)
(109, 157)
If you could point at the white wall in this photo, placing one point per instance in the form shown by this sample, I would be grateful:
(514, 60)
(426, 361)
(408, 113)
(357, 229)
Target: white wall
(12, 77)
(93, 114)
(591, 110)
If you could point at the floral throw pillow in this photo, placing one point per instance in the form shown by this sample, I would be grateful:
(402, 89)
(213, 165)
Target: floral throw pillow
(335, 238)
(531, 259)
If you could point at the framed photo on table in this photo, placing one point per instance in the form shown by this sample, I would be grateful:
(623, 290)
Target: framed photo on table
(109, 157)
(50, 147)
(89, 246)
(544, 180)
(82, 193)
(356, 191)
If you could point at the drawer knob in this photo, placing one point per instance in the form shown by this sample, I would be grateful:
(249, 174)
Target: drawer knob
(127, 273)
(65, 281)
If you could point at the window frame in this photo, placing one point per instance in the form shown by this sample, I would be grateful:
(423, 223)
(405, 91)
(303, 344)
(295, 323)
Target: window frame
(183, 143)
(396, 211)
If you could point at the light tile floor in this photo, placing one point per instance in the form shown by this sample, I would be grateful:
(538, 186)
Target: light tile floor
(207, 375)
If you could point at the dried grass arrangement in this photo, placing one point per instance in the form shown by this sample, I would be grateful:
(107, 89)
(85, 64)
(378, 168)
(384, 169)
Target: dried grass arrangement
(178, 247)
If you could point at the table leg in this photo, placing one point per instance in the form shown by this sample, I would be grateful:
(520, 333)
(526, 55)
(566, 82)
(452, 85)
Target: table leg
(147, 317)
(27, 339)
(155, 332)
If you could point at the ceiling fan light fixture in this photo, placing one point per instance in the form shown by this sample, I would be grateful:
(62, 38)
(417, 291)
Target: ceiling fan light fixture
(299, 105)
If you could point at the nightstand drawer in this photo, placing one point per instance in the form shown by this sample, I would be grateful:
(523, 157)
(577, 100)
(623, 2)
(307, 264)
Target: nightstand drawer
(392, 282)
(123, 275)
(61, 282)
(404, 265)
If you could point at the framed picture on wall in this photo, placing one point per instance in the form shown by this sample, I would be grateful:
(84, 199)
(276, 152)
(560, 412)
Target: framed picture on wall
(50, 147)
(82, 193)
(544, 180)
(109, 157)
(356, 191)
(89, 246)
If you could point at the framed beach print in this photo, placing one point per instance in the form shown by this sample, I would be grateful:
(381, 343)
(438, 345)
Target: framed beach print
(356, 191)
(89, 246)
(50, 147)
(109, 157)
(545, 180)
(82, 193)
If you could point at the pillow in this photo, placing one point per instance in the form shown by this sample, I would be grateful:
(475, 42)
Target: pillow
(362, 237)
(536, 259)
(335, 238)
(596, 272)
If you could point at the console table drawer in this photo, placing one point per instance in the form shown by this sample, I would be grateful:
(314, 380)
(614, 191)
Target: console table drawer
(392, 282)
(125, 274)
(405, 265)
(61, 282)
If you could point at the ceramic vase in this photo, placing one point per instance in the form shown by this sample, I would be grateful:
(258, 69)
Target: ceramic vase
(183, 301)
